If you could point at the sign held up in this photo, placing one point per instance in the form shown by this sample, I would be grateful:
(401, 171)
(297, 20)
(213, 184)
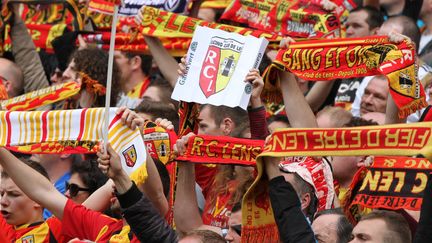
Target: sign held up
(217, 65)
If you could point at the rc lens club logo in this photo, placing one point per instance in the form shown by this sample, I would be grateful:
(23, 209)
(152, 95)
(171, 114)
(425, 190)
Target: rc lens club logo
(219, 65)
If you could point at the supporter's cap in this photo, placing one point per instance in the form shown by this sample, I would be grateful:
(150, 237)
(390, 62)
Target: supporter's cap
(317, 174)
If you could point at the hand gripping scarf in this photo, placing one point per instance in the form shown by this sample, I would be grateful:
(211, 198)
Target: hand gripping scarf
(295, 18)
(159, 142)
(188, 122)
(401, 139)
(41, 97)
(73, 131)
(348, 58)
(390, 183)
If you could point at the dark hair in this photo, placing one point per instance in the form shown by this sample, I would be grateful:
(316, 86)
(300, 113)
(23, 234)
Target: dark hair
(165, 89)
(343, 227)
(206, 236)
(89, 173)
(278, 118)
(94, 63)
(374, 19)
(34, 165)
(358, 122)
(409, 27)
(146, 61)
(398, 228)
(158, 110)
(304, 187)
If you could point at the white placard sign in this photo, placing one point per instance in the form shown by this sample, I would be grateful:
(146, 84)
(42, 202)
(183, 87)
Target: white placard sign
(217, 65)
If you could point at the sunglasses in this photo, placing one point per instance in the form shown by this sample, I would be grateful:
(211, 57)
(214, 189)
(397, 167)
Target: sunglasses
(74, 189)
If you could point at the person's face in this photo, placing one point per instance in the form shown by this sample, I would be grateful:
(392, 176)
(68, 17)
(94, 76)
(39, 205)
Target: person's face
(356, 25)
(371, 230)
(234, 224)
(344, 167)
(207, 124)
(153, 93)
(71, 74)
(374, 98)
(123, 63)
(325, 228)
(56, 76)
(16, 207)
(277, 124)
(207, 14)
(81, 196)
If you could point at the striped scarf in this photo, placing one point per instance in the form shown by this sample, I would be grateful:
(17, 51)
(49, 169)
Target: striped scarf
(73, 131)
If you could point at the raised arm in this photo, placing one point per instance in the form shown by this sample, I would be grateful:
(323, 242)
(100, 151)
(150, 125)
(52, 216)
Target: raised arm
(186, 213)
(298, 110)
(33, 184)
(26, 56)
(152, 187)
(291, 222)
(146, 223)
(165, 62)
(318, 94)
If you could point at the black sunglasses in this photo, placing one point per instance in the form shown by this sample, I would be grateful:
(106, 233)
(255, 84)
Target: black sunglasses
(237, 228)
(74, 189)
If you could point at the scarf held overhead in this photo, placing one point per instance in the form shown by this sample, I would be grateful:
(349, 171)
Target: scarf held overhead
(357, 57)
(73, 131)
(41, 97)
(392, 183)
(222, 150)
(161, 23)
(401, 139)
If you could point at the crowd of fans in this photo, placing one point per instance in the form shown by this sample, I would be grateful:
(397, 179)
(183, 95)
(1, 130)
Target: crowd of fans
(90, 198)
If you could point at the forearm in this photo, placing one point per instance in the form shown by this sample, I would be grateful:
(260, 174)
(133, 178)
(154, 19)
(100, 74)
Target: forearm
(298, 110)
(291, 222)
(100, 199)
(153, 187)
(27, 58)
(258, 122)
(122, 182)
(391, 116)
(186, 214)
(318, 94)
(32, 183)
(165, 62)
(145, 221)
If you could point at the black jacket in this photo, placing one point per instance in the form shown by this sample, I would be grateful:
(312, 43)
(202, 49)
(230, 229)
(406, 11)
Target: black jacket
(291, 222)
(144, 220)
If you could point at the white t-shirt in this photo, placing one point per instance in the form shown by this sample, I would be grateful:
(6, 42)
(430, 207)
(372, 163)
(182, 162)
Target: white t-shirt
(424, 40)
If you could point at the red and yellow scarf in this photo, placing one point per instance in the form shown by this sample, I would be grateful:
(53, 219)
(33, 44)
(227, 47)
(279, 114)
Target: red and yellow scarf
(401, 139)
(389, 183)
(347, 58)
